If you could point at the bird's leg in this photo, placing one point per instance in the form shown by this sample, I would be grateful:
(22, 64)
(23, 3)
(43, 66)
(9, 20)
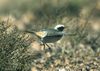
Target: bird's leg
(49, 47)
(44, 46)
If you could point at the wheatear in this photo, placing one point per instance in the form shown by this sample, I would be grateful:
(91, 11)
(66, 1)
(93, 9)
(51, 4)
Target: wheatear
(49, 35)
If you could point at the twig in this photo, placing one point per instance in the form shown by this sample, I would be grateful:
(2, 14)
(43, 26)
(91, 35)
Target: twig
(81, 33)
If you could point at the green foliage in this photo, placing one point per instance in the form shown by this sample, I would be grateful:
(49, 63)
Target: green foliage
(12, 48)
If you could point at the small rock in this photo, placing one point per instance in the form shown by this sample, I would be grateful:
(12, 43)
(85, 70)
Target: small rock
(62, 69)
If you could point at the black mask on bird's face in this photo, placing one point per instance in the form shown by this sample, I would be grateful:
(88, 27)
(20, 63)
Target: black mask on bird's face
(59, 27)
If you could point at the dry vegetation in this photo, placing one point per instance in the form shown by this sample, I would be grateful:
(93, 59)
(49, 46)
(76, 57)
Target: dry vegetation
(20, 51)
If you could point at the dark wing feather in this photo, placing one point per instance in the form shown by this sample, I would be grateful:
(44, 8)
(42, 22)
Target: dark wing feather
(52, 32)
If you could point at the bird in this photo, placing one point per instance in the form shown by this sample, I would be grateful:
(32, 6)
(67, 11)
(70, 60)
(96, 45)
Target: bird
(49, 35)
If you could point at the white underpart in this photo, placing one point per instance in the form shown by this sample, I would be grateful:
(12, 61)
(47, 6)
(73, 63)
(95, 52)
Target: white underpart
(56, 27)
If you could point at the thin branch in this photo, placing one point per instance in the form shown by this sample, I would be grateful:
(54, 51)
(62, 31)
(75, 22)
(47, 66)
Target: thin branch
(81, 33)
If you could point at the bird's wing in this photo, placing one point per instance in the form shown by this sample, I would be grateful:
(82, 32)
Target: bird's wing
(41, 34)
(52, 32)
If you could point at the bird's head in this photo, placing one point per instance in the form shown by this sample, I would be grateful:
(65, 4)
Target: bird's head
(59, 27)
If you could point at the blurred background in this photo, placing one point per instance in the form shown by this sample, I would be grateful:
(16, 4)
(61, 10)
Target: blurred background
(19, 51)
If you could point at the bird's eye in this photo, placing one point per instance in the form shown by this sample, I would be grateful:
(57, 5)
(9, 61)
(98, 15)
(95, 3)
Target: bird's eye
(60, 28)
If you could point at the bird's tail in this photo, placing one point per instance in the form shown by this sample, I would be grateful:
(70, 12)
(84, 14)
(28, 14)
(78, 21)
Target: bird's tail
(28, 31)
(32, 32)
